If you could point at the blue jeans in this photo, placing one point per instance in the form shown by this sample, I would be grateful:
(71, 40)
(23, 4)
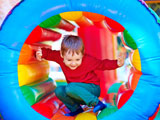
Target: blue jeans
(74, 94)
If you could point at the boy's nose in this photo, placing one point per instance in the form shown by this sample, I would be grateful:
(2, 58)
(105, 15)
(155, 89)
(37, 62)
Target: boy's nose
(73, 63)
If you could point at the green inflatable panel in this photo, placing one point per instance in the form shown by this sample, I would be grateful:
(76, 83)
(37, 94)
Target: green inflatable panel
(51, 22)
(34, 92)
(157, 116)
(107, 111)
(129, 40)
(114, 88)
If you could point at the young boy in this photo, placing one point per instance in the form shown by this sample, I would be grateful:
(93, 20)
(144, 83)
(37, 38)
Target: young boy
(79, 70)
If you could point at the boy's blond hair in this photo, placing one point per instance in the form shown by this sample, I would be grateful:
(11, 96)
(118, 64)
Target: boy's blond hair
(72, 43)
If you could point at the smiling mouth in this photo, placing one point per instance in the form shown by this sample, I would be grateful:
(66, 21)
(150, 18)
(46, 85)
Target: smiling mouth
(73, 67)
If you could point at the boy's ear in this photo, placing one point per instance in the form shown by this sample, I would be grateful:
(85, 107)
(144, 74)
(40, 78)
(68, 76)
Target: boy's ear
(61, 54)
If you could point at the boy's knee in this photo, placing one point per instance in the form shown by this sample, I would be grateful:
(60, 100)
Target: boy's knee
(59, 91)
(70, 89)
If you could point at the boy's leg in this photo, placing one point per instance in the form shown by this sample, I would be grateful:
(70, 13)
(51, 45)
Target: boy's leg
(99, 106)
(88, 93)
(68, 101)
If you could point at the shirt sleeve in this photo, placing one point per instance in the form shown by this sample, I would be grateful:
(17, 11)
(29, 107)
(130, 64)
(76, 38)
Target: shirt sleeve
(51, 55)
(98, 64)
(107, 64)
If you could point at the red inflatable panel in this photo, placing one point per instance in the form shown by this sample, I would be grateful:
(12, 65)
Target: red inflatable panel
(65, 25)
(42, 34)
(99, 43)
(123, 98)
(48, 106)
(113, 25)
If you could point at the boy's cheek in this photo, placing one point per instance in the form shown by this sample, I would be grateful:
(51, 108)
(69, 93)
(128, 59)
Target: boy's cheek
(81, 62)
(66, 63)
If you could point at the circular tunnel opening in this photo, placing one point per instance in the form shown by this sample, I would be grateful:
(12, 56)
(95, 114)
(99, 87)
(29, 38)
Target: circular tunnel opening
(103, 38)
(11, 48)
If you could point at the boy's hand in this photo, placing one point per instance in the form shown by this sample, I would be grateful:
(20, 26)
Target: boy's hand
(121, 59)
(39, 54)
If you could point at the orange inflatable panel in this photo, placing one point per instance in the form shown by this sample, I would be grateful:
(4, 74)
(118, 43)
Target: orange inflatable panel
(32, 72)
(60, 115)
(133, 78)
(94, 16)
(27, 54)
(83, 22)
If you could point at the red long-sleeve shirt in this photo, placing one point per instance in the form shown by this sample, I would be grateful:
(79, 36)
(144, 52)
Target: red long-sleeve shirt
(85, 73)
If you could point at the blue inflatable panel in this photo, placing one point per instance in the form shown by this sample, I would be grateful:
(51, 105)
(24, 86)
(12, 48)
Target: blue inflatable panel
(132, 14)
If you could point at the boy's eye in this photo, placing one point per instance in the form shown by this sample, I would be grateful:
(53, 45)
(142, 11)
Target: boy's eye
(69, 60)
(77, 59)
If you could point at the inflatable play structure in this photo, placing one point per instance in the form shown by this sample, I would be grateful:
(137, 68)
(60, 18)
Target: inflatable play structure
(20, 73)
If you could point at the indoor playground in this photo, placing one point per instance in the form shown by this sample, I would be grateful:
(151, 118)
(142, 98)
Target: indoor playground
(107, 27)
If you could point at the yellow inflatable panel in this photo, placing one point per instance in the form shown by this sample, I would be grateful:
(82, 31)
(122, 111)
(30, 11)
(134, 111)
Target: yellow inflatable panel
(73, 16)
(86, 116)
(135, 59)
(32, 72)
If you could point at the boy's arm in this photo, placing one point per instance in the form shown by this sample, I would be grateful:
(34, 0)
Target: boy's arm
(107, 64)
(47, 54)
(51, 55)
(93, 63)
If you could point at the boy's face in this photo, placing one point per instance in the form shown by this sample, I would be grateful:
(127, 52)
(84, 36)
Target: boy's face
(72, 60)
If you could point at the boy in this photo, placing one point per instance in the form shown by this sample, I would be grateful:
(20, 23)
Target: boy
(78, 67)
